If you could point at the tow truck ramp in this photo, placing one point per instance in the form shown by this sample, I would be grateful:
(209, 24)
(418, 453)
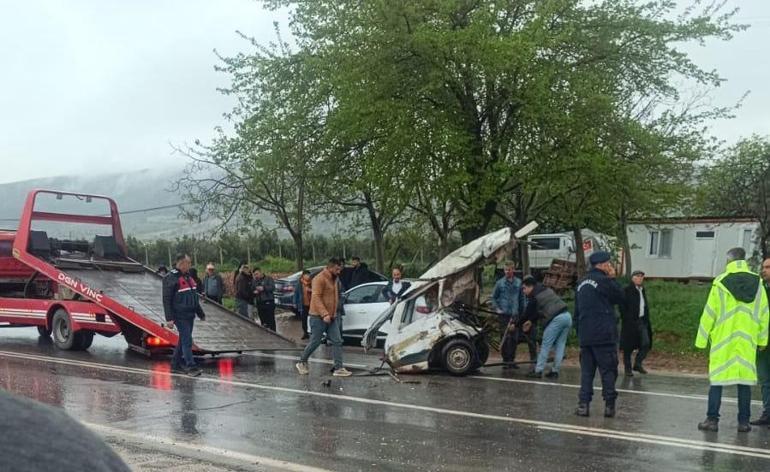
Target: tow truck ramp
(99, 271)
(141, 293)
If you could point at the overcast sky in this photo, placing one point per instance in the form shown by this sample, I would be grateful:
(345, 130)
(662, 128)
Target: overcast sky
(93, 86)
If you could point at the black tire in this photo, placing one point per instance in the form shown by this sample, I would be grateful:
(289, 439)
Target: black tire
(44, 331)
(61, 328)
(83, 340)
(482, 352)
(459, 357)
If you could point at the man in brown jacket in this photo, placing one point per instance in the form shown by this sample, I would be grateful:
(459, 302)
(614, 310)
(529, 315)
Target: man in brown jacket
(323, 318)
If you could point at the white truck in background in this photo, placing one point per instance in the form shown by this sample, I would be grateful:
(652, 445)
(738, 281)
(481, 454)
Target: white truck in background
(544, 248)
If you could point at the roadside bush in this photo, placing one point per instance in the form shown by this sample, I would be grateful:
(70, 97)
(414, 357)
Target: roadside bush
(277, 265)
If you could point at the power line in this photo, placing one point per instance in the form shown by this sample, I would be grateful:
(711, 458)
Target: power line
(129, 212)
(145, 210)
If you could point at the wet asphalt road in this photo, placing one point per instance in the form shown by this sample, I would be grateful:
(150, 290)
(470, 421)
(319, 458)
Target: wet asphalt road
(254, 412)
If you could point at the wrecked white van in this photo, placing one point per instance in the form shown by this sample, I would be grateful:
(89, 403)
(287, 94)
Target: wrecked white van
(435, 325)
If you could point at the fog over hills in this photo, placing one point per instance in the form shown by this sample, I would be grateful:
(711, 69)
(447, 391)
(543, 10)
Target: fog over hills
(147, 206)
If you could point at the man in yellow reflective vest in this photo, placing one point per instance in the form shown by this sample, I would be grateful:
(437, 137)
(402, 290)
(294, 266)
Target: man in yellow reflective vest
(735, 322)
(763, 361)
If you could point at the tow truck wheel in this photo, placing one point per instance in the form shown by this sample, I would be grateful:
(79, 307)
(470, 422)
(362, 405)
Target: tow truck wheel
(44, 331)
(63, 337)
(459, 357)
(83, 340)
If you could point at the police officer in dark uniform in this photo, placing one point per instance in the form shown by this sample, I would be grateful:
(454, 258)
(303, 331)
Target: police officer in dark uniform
(597, 329)
(181, 303)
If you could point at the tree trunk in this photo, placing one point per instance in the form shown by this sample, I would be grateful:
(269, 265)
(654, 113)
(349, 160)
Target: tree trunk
(443, 246)
(299, 245)
(379, 248)
(524, 258)
(580, 256)
(624, 242)
(378, 235)
(521, 217)
(475, 229)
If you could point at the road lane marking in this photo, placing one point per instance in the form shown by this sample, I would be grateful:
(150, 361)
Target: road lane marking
(311, 360)
(621, 390)
(546, 425)
(197, 449)
(680, 396)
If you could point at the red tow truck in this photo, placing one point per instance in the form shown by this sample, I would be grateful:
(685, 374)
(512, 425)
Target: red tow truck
(83, 284)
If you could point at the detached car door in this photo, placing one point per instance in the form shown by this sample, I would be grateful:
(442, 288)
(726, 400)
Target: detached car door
(363, 304)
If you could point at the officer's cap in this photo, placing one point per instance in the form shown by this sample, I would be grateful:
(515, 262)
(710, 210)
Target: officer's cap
(599, 257)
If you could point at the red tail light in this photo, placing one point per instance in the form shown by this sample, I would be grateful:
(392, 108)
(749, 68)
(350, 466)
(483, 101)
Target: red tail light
(154, 341)
(422, 309)
(288, 288)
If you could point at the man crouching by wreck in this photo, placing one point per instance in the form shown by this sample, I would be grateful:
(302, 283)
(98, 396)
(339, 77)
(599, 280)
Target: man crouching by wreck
(323, 318)
(597, 330)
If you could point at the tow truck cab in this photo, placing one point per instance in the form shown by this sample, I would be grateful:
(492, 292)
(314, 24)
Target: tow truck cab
(29, 300)
(13, 274)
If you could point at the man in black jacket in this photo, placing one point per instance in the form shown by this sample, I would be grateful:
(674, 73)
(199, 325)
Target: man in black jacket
(181, 303)
(263, 287)
(636, 329)
(597, 330)
(360, 274)
(244, 294)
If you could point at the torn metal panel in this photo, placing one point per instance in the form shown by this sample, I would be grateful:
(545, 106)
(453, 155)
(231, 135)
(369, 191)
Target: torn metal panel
(492, 246)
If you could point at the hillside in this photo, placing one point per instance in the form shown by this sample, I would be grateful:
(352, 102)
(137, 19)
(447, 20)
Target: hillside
(135, 193)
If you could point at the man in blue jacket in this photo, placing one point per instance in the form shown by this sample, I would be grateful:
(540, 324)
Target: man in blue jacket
(508, 301)
(597, 329)
(181, 303)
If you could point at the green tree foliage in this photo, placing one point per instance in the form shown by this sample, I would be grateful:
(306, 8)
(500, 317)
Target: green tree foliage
(266, 165)
(738, 185)
(493, 91)
(457, 115)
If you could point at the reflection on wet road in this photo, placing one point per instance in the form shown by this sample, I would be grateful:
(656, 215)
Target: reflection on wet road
(255, 408)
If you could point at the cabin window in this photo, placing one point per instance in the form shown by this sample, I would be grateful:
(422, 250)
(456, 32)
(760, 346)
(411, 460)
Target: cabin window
(748, 238)
(654, 239)
(704, 234)
(546, 244)
(6, 248)
(661, 242)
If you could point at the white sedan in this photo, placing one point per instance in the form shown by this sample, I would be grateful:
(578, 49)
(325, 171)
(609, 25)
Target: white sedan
(363, 304)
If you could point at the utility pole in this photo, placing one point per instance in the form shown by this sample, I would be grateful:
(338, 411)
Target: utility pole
(221, 257)
(170, 262)
(146, 255)
(248, 255)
